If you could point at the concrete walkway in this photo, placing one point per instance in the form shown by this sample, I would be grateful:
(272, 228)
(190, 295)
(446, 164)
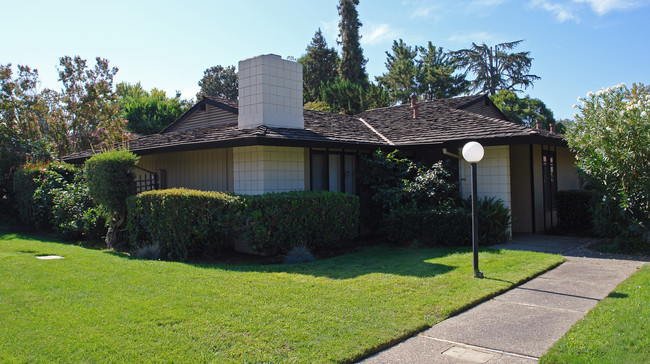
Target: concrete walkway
(520, 325)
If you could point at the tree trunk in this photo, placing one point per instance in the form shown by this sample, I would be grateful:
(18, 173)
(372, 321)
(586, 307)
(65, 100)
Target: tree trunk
(113, 231)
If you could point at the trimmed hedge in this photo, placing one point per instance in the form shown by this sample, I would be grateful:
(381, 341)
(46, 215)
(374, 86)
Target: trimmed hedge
(449, 225)
(184, 223)
(574, 211)
(319, 220)
(441, 226)
(188, 223)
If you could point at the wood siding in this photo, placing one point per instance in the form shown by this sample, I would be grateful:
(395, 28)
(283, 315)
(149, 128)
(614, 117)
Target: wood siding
(206, 170)
(520, 178)
(212, 116)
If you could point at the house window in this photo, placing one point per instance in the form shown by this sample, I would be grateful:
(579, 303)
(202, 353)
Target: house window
(549, 172)
(333, 171)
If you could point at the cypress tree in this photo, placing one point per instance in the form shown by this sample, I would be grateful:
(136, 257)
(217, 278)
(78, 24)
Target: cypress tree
(353, 66)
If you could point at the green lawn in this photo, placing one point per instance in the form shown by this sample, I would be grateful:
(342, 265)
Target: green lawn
(96, 306)
(617, 330)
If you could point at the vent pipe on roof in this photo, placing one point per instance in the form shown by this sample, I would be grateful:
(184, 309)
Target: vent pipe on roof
(414, 106)
(552, 125)
(539, 124)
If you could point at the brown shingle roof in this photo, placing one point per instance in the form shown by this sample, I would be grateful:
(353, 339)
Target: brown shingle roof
(439, 122)
(321, 128)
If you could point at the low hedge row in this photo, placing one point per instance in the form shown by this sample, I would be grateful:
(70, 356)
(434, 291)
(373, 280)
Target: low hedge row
(184, 223)
(188, 223)
(449, 225)
(278, 222)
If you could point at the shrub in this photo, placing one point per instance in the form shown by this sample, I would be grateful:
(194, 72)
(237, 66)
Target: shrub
(75, 214)
(184, 223)
(448, 224)
(26, 180)
(299, 254)
(494, 221)
(110, 180)
(320, 220)
(149, 252)
(54, 197)
(35, 186)
(574, 211)
(610, 137)
(440, 226)
(14, 152)
(393, 181)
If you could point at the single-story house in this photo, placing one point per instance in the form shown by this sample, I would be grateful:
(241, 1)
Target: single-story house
(267, 142)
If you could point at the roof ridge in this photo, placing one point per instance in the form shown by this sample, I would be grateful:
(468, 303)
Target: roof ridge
(376, 132)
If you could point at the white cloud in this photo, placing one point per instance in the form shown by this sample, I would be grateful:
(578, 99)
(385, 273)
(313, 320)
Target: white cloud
(602, 7)
(478, 37)
(487, 3)
(373, 34)
(562, 12)
(568, 10)
(422, 11)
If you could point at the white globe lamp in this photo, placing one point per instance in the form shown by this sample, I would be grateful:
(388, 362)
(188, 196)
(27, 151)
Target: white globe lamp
(473, 153)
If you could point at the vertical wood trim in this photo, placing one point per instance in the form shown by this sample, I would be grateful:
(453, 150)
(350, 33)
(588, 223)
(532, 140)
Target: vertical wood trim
(230, 178)
(532, 187)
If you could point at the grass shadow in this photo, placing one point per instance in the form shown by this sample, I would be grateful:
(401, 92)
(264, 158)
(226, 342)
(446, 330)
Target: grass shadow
(372, 260)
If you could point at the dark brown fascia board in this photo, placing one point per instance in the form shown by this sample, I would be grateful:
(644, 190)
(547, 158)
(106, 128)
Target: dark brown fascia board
(487, 142)
(196, 107)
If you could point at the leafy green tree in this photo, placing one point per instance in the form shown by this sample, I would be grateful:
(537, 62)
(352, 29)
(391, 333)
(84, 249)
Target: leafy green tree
(496, 68)
(148, 112)
(400, 80)
(320, 65)
(524, 111)
(23, 127)
(220, 82)
(612, 140)
(353, 65)
(89, 112)
(437, 77)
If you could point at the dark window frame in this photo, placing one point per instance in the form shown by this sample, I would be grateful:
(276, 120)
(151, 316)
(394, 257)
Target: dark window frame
(342, 153)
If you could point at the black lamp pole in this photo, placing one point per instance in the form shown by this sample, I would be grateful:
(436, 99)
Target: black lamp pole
(477, 273)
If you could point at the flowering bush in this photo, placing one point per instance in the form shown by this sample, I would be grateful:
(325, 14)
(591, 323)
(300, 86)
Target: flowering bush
(611, 136)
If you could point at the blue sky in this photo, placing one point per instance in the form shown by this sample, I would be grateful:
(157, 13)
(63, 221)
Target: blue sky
(578, 45)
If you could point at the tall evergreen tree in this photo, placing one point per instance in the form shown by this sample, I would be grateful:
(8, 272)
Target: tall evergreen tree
(353, 66)
(400, 80)
(496, 68)
(320, 66)
(437, 78)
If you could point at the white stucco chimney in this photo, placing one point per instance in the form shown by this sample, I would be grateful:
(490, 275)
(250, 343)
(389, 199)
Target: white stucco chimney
(270, 93)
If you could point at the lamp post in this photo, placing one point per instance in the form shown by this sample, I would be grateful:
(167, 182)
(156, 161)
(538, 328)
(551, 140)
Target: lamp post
(473, 153)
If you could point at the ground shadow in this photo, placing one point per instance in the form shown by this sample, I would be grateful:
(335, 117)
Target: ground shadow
(381, 259)
(617, 295)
